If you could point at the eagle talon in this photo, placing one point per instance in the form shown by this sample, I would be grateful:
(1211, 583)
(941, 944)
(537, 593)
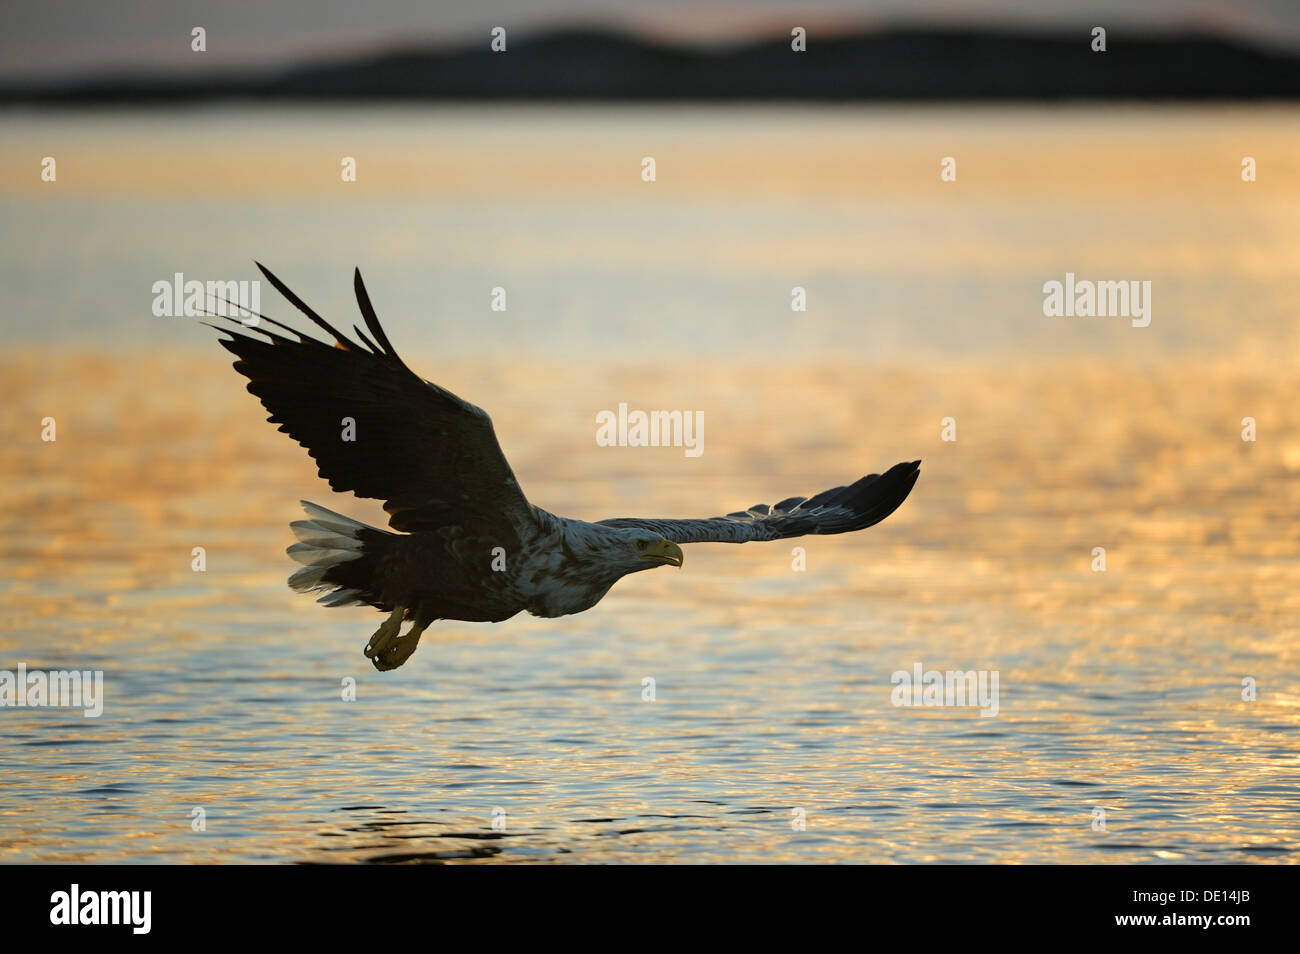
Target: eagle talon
(397, 651)
(390, 660)
(386, 634)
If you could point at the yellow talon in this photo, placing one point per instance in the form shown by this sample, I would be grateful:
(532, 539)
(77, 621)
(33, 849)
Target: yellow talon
(397, 651)
(386, 633)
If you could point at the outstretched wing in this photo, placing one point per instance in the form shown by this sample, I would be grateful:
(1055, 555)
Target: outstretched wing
(861, 504)
(430, 456)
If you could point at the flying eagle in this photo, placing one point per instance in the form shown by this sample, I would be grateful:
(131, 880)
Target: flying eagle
(465, 542)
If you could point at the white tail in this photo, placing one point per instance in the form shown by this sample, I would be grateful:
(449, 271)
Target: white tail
(326, 540)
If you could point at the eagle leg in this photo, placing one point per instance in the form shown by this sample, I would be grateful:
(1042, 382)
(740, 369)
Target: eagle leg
(386, 634)
(399, 650)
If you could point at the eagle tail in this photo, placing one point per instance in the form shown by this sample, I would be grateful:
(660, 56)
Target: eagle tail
(340, 555)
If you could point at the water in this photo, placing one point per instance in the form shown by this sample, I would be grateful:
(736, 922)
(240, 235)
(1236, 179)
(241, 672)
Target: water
(1120, 690)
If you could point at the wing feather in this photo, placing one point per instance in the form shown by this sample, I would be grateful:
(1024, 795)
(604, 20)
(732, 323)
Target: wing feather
(432, 457)
(839, 510)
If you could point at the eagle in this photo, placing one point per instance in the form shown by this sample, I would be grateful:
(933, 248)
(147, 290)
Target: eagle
(464, 542)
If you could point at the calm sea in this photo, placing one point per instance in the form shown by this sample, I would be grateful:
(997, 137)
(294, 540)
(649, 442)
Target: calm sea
(1147, 712)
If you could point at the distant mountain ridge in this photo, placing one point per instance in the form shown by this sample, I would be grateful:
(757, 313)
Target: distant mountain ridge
(900, 65)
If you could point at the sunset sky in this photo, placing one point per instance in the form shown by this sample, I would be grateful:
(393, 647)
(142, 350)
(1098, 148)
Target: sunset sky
(47, 40)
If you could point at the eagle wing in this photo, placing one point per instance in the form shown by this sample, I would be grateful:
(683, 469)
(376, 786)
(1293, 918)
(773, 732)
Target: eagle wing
(431, 457)
(839, 510)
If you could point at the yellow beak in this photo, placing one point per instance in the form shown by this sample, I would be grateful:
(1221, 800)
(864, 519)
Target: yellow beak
(664, 553)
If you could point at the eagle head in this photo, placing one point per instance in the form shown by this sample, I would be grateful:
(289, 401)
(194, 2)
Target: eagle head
(614, 552)
(651, 550)
(624, 551)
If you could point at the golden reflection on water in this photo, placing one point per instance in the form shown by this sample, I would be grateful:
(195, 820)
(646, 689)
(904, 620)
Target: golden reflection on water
(1120, 689)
